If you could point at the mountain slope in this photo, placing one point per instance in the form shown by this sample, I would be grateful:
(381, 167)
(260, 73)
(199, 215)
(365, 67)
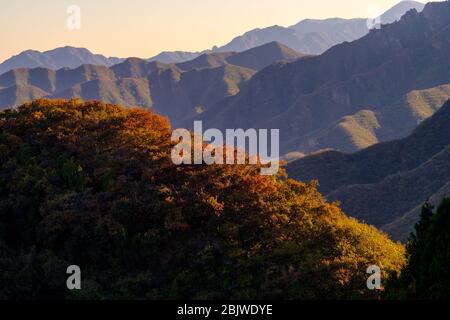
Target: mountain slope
(367, 127)
(175, 56)
(402, 226)
(182, 95)
(388, 200)
(19, 94)
(258, 37)
(384, 183)
(207, 60)
(134, 82)
(65, 57)
(256, 58)
(261, 57)
(373, 73)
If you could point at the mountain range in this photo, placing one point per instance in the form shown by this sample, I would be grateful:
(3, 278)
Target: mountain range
(386, 184)
(314, 36)
(357, 94)
(65, 57)
(177, 90)
(310, 36)
(374, 89)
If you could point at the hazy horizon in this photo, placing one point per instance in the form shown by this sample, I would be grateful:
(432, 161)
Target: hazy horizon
(145, 28)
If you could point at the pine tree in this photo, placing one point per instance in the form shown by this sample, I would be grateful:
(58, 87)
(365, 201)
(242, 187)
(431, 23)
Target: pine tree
(426, 276)
(416, 247)
(436, 281)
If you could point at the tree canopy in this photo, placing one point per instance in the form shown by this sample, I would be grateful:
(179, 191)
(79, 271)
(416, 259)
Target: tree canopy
(93, 185)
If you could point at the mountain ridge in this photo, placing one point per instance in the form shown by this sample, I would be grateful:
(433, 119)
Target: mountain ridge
(309, 35)
(401, 176)
(302, 37)
(372, 73)
(177, 90)
(62, 57)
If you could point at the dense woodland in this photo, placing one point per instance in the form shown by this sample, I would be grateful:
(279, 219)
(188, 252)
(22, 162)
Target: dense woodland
(92, 184)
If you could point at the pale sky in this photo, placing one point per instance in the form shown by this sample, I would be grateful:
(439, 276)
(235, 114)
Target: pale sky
(143, 28)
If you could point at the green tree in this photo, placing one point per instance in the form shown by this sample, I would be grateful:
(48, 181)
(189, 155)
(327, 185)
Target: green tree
(426, 275)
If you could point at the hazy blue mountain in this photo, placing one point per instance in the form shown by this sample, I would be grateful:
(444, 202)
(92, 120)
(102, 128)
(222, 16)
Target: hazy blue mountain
(316, 36)
(256, 58)
(175, 56)
(65, 57)
(309, 36)
(258, 37)
(397, 11)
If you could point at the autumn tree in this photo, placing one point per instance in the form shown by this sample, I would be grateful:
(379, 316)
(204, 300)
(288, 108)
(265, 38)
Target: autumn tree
(92, 184)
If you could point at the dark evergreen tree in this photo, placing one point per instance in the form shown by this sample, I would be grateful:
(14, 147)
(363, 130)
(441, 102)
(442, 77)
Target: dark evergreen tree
(416, 248)
(436, 281)
(426, 276)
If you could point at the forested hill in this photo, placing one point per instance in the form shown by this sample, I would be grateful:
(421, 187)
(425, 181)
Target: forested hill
(92, 184)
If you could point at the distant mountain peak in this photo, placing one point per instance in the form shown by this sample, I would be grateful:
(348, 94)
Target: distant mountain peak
(175, 56)
(256, 58)
(401, 8)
